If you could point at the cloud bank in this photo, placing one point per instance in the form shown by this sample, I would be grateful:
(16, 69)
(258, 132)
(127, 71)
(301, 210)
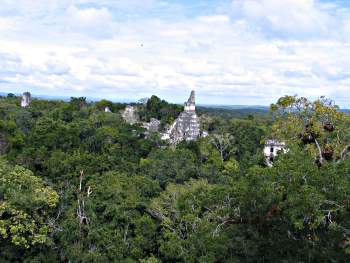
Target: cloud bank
(230, 52)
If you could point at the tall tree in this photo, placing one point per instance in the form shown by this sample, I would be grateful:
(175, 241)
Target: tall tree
(319, 125)
(26, 207)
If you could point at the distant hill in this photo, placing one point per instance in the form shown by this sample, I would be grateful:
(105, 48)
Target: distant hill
(224, 111)
(233, 111)
(63, 98)
(234, 107)
(44, 97)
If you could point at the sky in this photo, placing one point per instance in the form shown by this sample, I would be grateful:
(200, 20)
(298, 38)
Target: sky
(238, 52)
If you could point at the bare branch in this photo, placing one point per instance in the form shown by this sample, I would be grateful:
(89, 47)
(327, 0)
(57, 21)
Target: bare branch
(81, 179)
(345, 151)
(126, 233)
(89, 191)
(83, 219)
(319, 151)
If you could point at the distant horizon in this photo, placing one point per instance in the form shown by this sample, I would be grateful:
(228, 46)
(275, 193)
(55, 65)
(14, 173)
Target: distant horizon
(179, 99)
(122, 100)
(127, 101)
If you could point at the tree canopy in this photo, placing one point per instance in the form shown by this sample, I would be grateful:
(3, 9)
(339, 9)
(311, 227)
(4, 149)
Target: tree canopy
(78, 184)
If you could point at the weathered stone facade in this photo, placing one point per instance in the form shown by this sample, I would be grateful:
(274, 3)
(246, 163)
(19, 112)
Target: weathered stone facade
(152, 126)
(186, 126)
(130, 114)
(26, 99)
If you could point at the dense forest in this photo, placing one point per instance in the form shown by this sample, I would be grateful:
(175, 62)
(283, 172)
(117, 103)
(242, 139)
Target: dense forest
(78, 184)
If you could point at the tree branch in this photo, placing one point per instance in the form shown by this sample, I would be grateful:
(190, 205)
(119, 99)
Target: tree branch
(345, 151)
(320, 151)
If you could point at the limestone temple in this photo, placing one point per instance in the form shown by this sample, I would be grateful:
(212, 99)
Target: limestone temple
(26, 99)
(186, 126)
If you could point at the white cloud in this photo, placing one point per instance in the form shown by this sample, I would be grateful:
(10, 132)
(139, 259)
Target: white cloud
(6, 23)
(114, 50)
(289, 18)
(214, 19)
(97, 22)
(88, 16)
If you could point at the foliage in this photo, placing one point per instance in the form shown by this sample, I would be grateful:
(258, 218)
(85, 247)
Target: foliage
(159, 109)
(25, 207)
(118, 227)
(319, 125)
(105, 192)
(170, 165)
(188, 218)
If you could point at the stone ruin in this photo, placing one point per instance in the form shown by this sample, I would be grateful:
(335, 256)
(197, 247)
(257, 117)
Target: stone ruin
(152, 126)
(107, 109)
(130, 115)
(186, 126)
(271, 150)
(26, 99)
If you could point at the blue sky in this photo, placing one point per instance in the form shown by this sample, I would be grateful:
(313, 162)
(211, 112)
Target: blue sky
(229, 51)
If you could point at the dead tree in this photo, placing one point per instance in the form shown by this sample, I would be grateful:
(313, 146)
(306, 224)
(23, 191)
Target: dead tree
(81, 195)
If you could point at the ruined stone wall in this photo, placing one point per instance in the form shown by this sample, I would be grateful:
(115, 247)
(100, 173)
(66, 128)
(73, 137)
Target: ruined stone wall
(130, 115)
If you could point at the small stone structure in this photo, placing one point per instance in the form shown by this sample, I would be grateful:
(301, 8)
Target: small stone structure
(186, 126)
(26, 99)
(271, 150)
(130, 114)
(152, 126)
(107, 109)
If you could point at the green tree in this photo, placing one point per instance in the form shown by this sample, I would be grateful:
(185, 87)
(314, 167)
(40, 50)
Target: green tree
(102, 104)
(118, 227)
(26, 205)
(170, 166)
(189, 215)
(319, 126)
